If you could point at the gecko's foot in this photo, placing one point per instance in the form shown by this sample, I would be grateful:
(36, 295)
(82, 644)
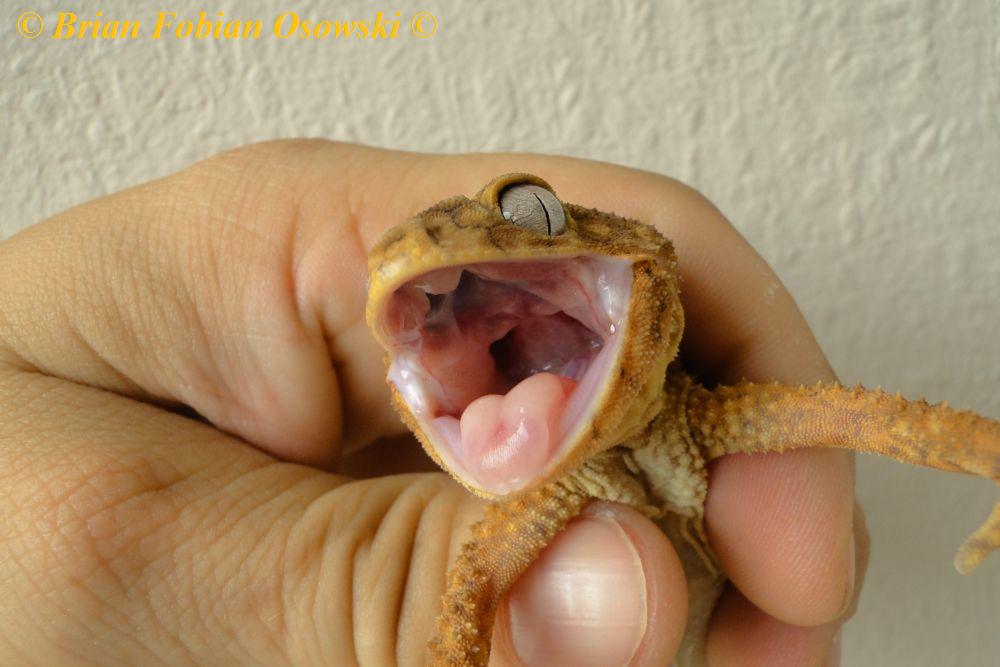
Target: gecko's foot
(980, 543)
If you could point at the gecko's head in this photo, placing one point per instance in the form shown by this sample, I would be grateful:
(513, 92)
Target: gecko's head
(523, 334)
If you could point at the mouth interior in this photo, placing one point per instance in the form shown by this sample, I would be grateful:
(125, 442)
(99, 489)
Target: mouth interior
(501, 362)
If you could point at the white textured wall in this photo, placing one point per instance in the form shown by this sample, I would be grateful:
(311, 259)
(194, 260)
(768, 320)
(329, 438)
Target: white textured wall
(857, 145)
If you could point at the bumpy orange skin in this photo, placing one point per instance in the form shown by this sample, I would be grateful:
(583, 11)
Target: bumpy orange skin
(654, 428)
(769, 417)
(460, 231)
(504, 544)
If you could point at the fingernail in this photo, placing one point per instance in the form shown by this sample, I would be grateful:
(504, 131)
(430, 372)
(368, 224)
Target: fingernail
(833, 653)
(583, 602)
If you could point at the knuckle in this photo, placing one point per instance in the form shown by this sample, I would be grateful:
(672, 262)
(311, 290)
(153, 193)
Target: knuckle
(97, 521)
(106, 536)
(368, 563)
(81, 540)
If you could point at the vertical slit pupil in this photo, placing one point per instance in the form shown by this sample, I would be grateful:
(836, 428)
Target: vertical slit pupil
(548, 221)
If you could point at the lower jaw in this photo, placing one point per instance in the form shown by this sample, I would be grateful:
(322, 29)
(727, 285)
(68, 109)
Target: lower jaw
(501, 444)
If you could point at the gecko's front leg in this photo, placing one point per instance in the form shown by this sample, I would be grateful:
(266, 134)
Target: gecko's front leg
(772, 417)
(502, 546)
(506, 541)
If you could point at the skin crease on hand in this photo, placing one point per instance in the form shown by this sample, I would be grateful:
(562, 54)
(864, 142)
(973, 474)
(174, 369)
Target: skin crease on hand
(171, 354)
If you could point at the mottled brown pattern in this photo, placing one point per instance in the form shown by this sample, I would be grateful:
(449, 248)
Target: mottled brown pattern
(655, 428)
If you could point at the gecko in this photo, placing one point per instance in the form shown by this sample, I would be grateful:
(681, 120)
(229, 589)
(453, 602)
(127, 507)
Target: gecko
(525, 334)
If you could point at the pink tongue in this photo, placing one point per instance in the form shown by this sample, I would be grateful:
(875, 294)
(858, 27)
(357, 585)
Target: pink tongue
(507, 440)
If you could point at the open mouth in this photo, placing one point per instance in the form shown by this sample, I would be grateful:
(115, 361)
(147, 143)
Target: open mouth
(502, 363)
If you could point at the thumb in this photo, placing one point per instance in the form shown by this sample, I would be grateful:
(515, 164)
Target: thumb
(609, 590)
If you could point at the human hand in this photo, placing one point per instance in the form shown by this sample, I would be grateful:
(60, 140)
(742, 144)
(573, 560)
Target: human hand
(170, 354)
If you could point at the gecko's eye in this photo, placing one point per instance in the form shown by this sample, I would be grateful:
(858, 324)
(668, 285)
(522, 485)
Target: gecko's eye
(503, 362)
(533, 207)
